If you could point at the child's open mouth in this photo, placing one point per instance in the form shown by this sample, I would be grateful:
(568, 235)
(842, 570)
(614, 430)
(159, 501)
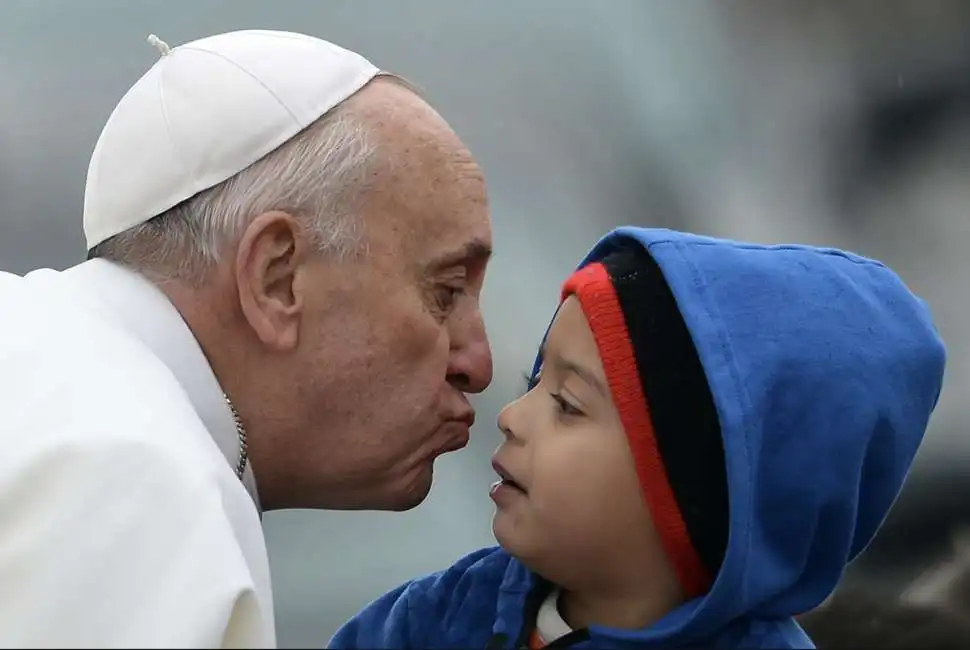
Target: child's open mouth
(513, 485)
(506, 479)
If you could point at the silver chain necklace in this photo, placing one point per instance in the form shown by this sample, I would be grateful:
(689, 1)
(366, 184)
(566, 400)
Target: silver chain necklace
(241, 434)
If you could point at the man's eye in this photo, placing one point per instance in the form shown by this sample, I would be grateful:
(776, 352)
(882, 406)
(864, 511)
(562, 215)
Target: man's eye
(446, 296)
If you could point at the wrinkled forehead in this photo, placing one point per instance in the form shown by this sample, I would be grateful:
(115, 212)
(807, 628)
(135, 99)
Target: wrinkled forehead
(429, 200)
(425, 189)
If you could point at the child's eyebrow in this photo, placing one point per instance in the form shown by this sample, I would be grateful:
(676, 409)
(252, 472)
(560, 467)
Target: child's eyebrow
(583, 373)
(564, 365)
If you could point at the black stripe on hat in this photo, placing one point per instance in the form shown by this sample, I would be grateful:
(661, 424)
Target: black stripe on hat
(683, 413)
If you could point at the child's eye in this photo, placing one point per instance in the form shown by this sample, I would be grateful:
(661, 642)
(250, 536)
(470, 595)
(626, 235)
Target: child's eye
(564, 407)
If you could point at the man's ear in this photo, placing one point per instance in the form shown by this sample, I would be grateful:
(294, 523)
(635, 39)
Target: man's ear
(272, 252)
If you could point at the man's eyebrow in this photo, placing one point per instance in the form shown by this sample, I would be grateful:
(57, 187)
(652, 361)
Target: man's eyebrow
(474, 251)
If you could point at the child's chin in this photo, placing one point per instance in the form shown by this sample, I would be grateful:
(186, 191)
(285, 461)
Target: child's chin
(508, 534)
(502, 529)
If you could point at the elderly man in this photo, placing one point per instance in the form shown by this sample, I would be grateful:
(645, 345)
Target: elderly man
(280, 309)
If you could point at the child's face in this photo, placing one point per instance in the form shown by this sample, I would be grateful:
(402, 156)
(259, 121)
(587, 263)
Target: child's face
(573, 510)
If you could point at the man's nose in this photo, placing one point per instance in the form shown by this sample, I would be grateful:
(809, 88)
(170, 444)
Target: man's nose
(470, 366)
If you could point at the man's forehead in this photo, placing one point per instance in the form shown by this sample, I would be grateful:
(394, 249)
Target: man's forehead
(433, 241)
(453, 229)
(474, 251)
(430, 202)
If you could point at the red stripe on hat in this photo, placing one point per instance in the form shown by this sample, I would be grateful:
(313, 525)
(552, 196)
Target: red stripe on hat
(593, 287)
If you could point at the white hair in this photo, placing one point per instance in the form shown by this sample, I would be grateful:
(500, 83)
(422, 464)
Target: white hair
(319, 176)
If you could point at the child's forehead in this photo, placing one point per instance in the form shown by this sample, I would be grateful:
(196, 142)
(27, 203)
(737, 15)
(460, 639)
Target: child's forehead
(569, 329)
(570, 344)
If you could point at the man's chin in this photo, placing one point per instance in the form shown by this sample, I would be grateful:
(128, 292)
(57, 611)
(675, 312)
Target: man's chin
(415, 491)
(400, 496)
(404, 500)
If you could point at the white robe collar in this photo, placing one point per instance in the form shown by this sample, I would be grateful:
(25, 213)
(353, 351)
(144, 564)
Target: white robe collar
(145, 311)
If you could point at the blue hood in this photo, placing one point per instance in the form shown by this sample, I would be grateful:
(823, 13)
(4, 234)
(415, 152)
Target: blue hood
(824, 369)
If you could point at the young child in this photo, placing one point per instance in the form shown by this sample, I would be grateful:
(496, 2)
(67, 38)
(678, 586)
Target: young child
(713, 431)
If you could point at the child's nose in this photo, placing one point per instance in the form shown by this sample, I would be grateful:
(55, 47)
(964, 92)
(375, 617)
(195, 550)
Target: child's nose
(510, 420)
(503, 422)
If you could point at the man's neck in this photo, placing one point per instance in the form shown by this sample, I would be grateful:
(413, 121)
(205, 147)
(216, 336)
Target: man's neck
(153, 317)
(223, 341)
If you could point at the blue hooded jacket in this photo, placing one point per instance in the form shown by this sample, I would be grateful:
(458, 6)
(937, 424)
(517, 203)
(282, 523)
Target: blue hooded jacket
(824, 370)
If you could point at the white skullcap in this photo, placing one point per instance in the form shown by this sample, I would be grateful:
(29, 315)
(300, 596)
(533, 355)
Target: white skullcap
(204, 112)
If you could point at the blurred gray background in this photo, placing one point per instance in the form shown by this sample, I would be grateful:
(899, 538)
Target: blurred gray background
(837, 123)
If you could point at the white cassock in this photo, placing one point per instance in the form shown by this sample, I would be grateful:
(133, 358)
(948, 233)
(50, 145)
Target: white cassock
(122, 520)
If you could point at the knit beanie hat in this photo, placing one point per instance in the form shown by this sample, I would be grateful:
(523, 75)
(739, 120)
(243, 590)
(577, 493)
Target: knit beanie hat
(661, 394)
